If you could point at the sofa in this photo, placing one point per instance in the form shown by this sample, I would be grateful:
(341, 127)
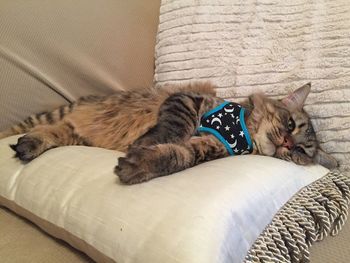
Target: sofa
(51, 53)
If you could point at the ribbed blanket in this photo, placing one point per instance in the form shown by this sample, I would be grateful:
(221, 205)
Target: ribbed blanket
(265, 45)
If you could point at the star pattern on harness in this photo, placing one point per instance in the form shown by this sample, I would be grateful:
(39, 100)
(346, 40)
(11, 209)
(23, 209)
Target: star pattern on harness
(225, 123)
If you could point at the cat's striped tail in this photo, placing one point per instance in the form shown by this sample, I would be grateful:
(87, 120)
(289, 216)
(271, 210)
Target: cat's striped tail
(38, 119)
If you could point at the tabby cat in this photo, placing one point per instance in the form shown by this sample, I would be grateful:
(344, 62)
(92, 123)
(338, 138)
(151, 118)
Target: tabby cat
(158, 129)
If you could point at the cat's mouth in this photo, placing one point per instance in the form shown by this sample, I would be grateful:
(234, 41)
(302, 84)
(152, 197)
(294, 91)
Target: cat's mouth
(282, 143)
(284, 147)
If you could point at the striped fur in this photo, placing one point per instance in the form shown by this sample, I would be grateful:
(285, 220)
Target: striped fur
(147, 162)
(156, 129)
(42, 118)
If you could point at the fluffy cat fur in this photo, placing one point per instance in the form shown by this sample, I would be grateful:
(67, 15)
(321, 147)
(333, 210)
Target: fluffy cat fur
(157, 129)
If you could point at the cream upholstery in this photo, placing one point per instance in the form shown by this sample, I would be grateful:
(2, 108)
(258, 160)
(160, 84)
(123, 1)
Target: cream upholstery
(22, 241)
(56, 51)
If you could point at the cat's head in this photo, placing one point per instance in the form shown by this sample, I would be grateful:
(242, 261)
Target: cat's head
(281, 128)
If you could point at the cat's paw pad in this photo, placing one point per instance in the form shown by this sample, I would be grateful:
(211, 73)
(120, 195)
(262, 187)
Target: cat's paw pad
(27, 148)
(130, 172)
(136, 166)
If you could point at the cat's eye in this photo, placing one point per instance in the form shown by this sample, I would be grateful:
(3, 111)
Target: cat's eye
(291, 125)
(300, 149)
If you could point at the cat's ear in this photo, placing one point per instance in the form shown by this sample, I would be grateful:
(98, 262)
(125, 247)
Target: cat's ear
(325, 159)
(295, 100)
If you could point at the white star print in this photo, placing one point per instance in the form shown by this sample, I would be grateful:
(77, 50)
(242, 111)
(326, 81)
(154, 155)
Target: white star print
(232, 136)
(219, 115)
(241, 133)
(227, 128)
(207, 121)
(235, 150)
(217, 127)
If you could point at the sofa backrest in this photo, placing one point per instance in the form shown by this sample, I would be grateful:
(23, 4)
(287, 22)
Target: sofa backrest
(54, 52)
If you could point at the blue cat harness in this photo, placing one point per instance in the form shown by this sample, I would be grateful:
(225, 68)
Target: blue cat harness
(226, 122)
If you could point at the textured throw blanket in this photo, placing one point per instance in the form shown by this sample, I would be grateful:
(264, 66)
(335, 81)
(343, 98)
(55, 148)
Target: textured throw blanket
(266, 45)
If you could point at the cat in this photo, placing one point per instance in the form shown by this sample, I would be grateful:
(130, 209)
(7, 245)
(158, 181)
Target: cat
(158, 129)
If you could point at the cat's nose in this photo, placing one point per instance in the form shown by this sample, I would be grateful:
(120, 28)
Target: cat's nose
(288, 142)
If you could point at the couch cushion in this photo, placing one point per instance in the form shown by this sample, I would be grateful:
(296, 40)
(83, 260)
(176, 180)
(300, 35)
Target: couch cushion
(209, 213)
(21, 241)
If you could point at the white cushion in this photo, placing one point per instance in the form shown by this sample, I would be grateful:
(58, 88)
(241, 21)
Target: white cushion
(209, 213)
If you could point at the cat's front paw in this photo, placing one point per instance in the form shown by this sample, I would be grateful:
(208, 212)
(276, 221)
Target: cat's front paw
(27, 148)
(133, 168)
(284, 154)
